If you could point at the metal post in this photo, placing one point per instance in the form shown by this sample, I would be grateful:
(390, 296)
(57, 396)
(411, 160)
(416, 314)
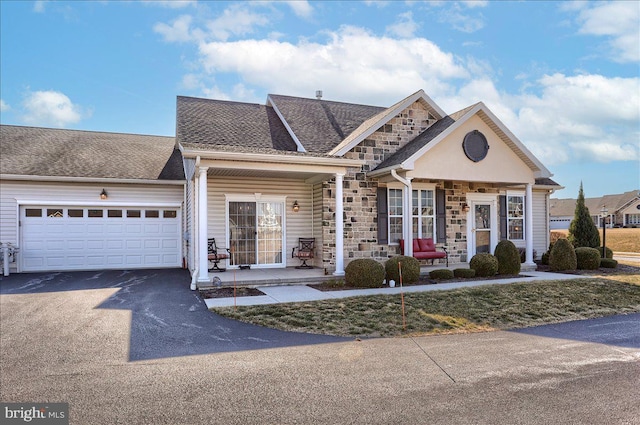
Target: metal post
(604, 231)
(5, 259)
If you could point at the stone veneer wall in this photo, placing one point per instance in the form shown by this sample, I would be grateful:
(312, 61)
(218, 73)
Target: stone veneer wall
(360, 200)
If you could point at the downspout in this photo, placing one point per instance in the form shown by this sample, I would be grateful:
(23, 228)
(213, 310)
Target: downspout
(194, 225)
(406, 219)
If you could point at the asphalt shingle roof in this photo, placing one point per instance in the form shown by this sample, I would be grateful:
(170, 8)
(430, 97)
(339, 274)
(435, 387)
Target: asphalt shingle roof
(567, 207)
(320, 125)
(35, 151)
(218, 123)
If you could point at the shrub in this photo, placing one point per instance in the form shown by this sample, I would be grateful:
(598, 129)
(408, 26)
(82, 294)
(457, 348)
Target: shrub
(523, 254)
(608, 263)
(364, 273)
(587, 258)
(582, 230)
(464, 273)
(410, 269)
(484, 264)
(545, 257)
(441, 274)
(508, 257)
(608, 251)
(562, 256)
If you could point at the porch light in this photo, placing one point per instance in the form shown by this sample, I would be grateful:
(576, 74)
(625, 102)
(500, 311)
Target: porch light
(465, 207)
(296, 206)
(103, 194)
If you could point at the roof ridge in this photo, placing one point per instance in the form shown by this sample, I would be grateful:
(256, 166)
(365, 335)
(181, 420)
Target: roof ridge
(85, 131)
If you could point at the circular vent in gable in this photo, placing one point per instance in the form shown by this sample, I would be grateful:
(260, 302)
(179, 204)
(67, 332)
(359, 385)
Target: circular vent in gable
(475, 146)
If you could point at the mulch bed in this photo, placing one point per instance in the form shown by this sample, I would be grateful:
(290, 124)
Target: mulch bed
(228, 292)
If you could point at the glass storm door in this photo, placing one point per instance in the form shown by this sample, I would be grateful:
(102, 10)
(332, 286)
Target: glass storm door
(482, 228)
(256, 233)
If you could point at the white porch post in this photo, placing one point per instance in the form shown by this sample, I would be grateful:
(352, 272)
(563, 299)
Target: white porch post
(339, 227)
(408, 219)
(528, 220)
(203, 264)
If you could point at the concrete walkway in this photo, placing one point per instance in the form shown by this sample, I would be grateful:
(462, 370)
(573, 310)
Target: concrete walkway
(302, 293)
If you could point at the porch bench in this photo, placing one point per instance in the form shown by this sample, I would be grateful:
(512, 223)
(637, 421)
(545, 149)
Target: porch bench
(425, 249)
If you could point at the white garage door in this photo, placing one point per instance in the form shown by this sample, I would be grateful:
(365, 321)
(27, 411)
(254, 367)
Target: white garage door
(94, 238)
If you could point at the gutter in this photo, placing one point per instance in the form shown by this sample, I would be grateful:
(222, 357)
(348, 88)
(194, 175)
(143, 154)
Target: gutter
(406, 216)
(272, 158)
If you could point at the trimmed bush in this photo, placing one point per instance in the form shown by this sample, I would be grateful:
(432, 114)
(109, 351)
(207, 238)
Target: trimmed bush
(587, 258)
(441, 274)
(608, 250)
(464, 273)
(545, 257)
(484, 264)
(410, 269)
(608, 263)
(562, 256)
(508, 257)
(364, 273)
(523, 254)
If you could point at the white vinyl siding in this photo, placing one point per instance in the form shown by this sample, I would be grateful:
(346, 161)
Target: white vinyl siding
(298, 224)
(78, 194)
(540, 222)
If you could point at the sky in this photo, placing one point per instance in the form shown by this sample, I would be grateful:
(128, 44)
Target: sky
(564, 77)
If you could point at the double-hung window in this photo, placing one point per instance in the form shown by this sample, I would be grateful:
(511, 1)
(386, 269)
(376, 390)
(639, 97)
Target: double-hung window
(515, 217)
(423, 214)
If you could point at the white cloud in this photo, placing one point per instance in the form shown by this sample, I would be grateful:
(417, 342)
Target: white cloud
(50, 108)
(4, 106)
(619, 21)
(170, 4)
(301, 8)
(352, 64)
(178, 31)
(235, 20)
(39, 6)
(460, 19)
(404, 27)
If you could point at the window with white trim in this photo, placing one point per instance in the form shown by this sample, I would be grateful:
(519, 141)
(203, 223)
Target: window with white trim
(424, 213)
(395, 215)
(633, 219)
(515, 217)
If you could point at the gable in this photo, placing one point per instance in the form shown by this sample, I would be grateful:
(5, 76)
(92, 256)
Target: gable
(447, 159)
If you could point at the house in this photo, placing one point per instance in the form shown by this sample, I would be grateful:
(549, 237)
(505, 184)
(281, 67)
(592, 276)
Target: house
(623, 210)
(357, 178)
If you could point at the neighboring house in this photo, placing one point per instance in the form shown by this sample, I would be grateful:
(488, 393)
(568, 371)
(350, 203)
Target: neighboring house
(81, 200)
(406, 171)
(623, 210)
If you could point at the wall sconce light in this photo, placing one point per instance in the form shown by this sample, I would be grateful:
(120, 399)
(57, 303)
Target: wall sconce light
(466, 207)
(296, 206)
(103, 194)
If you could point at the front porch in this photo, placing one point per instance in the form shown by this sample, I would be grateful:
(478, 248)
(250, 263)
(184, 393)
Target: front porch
(293, 276)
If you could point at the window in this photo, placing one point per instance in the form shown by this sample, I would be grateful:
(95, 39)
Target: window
(75, 213)
(95, 213)
(152, 213)
(33, 212)
(55, 212)
(395, 215)
(633, 219)
(423, 214)
(114, 213)
(169, 213)
(133, 213)
(515, 217)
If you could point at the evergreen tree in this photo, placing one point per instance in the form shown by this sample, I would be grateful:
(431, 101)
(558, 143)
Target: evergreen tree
(582, 230)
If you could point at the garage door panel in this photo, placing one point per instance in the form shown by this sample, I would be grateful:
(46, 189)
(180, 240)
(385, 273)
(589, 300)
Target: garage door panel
(80, 238)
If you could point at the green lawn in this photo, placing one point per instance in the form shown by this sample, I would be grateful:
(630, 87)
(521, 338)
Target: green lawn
(460, 310)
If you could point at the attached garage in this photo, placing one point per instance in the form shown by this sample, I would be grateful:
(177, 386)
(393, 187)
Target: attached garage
(81, 200)
(94, 237)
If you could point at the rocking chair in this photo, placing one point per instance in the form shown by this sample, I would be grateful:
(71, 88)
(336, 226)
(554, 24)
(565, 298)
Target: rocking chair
(215, 254)
(304, 252)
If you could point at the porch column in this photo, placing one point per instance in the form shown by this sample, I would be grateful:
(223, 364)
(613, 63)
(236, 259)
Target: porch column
(339, 228)
(408, 219)
(528, 220)
(203, 264)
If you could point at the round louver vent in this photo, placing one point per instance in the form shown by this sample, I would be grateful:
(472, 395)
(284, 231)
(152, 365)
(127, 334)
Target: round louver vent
(475, 146)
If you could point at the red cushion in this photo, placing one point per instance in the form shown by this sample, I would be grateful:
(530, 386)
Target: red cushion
(402, 246)
(427, 244)
(416, 245)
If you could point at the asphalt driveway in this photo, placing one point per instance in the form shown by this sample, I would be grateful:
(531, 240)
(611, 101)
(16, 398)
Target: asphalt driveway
(70, 337)
(167, 318)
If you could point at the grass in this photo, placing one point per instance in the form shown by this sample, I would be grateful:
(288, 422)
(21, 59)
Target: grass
(619, 239)
(461, 310)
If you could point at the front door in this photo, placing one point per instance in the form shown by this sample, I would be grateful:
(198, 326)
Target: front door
(256, 235)
(482, 224)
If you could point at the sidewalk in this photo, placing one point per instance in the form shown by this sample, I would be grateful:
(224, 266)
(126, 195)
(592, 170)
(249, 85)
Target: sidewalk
(301, 293)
